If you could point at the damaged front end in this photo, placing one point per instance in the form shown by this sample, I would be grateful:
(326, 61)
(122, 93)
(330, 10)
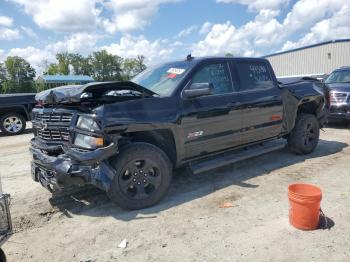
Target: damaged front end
(70, 147)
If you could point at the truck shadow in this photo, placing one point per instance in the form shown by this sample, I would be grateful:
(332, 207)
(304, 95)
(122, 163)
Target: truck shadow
(185, 187)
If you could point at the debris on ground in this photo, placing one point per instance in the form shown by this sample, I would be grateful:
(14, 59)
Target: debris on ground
(123, 244)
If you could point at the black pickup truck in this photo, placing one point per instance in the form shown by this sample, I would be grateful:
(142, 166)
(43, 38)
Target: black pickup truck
(15, 110)
(127, 137)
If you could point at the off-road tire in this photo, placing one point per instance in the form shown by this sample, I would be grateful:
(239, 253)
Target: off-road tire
(14, 115)
(304, 137)
(133, 153)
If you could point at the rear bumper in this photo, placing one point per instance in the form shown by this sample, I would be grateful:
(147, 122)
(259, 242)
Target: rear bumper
(72, 167)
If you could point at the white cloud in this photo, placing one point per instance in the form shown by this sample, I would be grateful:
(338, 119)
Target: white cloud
(257, 5)
(327, 19)
(9, 34)
(131, 46)
(62, 15)
(187, 31)
(205, 28)
(6, 21)
(131, 15)
(334, 27)
(29, 32)
(82, 43)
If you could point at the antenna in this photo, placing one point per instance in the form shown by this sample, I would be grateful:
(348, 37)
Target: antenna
(189, 57)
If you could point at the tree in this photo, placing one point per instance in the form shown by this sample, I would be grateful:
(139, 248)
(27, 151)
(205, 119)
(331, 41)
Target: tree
(106, 66)
(19, 75)
(3, 76)
(133, 66)
(52, 69)
(229, 55)
(81, 65)
(63, 63)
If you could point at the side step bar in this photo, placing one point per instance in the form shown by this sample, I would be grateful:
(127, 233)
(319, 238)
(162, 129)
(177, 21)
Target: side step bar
(236, 156)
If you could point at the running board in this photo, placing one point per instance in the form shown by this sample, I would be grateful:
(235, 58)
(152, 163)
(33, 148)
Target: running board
(236, 156)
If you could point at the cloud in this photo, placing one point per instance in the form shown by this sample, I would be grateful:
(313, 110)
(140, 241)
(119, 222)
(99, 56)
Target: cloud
(327, 19)
(6, 21)
(62, 15)
(131, 46)
(205, 28)
(129, 15)
(82, 43)
(9, 34)
(257, 5)
(187, 31)
(29, 32)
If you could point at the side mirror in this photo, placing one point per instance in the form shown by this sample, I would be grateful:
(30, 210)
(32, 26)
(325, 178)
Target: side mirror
(198, 89)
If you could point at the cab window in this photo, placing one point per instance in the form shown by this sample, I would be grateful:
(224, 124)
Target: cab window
(253, 75)
(217, 74)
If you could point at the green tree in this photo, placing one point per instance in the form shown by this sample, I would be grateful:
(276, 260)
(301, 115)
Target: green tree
(81, 65)
(106, 67)
(20, 75)
(3, 76)
(229, 55)
(63, 63)
(52, 69)
(133, 66)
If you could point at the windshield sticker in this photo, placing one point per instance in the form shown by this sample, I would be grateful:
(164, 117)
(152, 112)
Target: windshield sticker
(171, 76)
(177, 71)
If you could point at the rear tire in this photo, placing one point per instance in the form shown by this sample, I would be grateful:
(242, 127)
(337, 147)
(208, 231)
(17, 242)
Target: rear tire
(305, 135)
(12, 124)
(143, 176)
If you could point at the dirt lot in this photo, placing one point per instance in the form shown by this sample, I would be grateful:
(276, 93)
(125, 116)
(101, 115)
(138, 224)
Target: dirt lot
(188, 225)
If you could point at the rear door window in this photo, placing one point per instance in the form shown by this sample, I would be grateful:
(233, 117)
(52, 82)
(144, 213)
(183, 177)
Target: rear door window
(253, 75)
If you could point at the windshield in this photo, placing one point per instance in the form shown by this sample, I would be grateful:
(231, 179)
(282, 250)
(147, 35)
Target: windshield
(339, 77)
(162, 79)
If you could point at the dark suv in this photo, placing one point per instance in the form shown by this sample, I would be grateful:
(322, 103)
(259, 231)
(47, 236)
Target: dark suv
(339, 84)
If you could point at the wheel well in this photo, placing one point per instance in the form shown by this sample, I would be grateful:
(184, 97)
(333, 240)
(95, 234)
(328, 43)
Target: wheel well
(311, 107)
(20, 111)
(162, 138)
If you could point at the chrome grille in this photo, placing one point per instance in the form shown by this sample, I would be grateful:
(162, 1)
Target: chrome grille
(53, 118)
(51, 126)
(53, 135)
(337, 98)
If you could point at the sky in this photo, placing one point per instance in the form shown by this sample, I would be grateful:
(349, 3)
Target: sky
(164, 30)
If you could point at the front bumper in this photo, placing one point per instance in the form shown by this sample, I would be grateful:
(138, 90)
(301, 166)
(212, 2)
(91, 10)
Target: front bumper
(72, 167)
(339, 113)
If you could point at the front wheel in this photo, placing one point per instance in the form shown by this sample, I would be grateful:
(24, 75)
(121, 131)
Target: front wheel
(305, 135)
(143, 175)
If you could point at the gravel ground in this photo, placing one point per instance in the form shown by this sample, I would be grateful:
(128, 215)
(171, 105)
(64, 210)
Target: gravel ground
(188, 225)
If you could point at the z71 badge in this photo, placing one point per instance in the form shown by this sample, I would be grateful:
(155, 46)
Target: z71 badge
(195, 134)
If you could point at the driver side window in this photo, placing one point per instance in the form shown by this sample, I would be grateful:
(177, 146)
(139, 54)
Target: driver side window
(216, 74)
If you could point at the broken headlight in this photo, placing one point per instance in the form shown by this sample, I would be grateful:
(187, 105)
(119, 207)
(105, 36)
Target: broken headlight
(88, 142)
(87, 123)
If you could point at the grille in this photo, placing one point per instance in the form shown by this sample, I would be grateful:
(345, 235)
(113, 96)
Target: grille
(52, 126)
(339, 97)
(53, 118)
(53, 135)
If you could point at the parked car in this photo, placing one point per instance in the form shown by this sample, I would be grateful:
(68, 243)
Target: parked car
(15, 110)
(127, 137)
(339, 84)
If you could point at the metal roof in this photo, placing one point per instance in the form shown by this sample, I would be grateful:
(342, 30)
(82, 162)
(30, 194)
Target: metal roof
(309, 46)
(67, 78)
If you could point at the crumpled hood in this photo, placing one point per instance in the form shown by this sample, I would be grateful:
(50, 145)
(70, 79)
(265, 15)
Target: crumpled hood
(340, 87)
(73, 93)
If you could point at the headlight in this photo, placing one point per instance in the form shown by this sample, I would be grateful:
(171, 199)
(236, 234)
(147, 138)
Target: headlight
(89, 142)
(87, 123)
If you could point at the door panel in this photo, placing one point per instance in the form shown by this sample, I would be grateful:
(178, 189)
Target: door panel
(210, 124)
(262, 107)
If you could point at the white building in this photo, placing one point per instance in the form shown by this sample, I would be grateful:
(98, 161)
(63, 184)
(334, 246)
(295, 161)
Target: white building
(312, 60)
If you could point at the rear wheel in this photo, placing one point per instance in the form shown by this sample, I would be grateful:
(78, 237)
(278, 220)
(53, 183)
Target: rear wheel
(143, 175)
(305, 135)
(12, 124)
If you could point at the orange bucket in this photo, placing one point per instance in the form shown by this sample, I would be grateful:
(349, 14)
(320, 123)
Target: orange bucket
(305, 206)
